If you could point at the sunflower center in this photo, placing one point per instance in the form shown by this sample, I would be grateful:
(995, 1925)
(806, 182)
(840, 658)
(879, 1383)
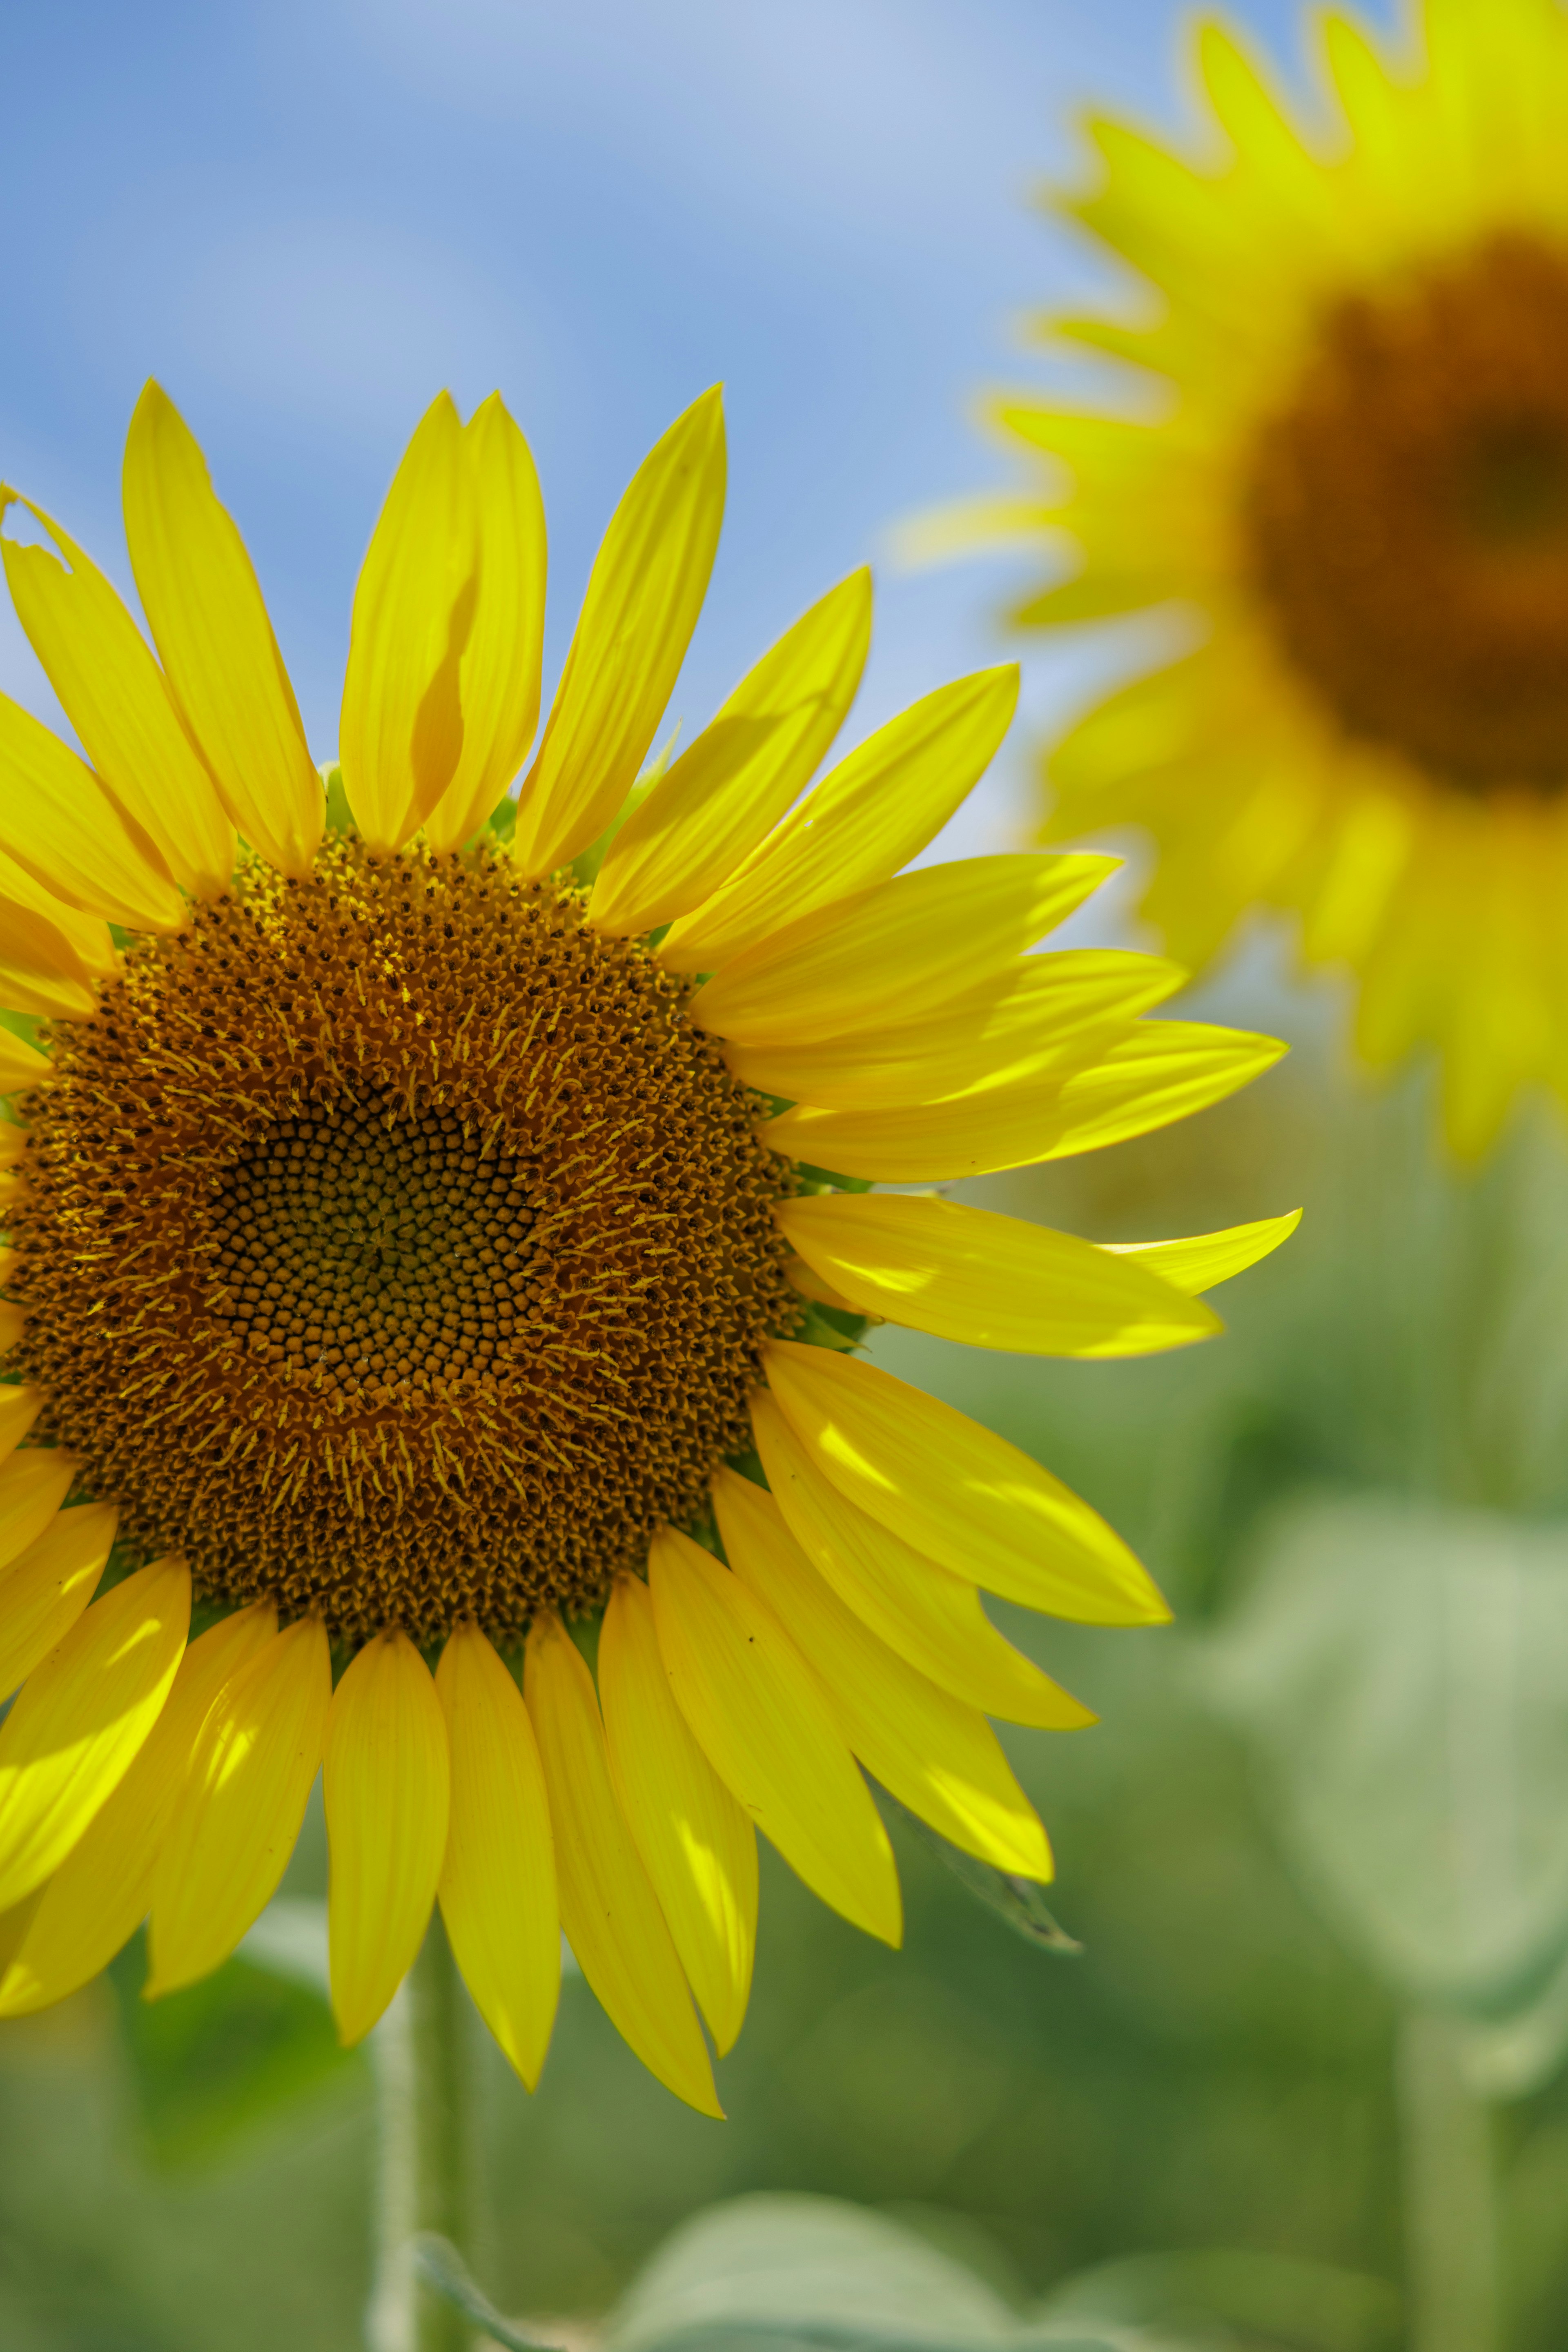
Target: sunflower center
(355, 1240)
(1408, 516)
(394, 1245)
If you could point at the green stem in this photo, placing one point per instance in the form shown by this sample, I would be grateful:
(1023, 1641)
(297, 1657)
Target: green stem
(1450, 2207)
(422, 2114)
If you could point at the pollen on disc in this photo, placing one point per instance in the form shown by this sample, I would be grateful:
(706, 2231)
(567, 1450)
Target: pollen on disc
(396, 1247)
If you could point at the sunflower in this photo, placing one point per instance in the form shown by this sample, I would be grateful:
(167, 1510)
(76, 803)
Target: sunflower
(429, 1327)
(1344, 458)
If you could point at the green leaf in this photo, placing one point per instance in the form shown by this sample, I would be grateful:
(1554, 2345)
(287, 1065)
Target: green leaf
(443, 2270)
(1017, 1900)
(208, 2062)
(775, 2271)
(1272, 2299)
(1400, 1670)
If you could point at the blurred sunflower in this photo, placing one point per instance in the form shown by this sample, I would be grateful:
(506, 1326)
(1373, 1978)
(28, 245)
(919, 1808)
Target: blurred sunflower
(407, 1262)
(1350, 462)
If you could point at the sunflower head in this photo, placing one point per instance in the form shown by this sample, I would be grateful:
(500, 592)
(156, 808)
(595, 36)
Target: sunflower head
(1343, 469)
(420, 1249)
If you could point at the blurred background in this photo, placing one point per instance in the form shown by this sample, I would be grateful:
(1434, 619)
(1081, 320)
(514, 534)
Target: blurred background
(305, 218)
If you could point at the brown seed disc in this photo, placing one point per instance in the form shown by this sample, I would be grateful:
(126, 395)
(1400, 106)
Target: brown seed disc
(1408, 516)
(394, 1245)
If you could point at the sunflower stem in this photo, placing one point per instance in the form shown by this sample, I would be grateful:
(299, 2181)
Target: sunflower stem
(1451, 2203)
(422, 2112)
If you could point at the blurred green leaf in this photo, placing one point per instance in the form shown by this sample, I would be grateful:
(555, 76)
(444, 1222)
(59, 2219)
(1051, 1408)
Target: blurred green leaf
(208, 2062)
(1268, 2299)
(1017, 1900)
(1402, 1669)
(437, 2262)
(778, 2270)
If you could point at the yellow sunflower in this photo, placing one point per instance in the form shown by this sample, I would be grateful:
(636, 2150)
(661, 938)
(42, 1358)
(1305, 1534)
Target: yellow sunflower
(419, 1247)
(1346, 455)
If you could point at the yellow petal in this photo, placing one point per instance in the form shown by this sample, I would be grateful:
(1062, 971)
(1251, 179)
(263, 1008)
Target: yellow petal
(51, 955)
(204, 606)
(697, 1846)
(74, 1730)
(21, 1065)
(902, 948)
(46, 1589)
(763, 1722)
(1164, 1070)
(956, 1492)
(498, 1881)
(112, 692)
(724, 794)
(61, 826)
(386, 1784)
(925, 1612)
(14, 1928)
(936, 1755)
(400, 736)
(1200, 1260)
(499, 676)
(878, 809)
(103, 1889)
(990, 1281)
(20, 1409)
(645, 592)
(1020, 1024)
(238, 1814)
(33, 1485)
(608, 1908)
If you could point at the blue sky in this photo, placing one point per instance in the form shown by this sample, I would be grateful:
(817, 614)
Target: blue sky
(306, 216)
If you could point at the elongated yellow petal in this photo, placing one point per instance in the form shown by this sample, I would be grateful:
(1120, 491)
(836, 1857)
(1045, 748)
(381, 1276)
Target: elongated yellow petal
(645, 592)
(1164, 1070)
(878, 809)
(991, 1281)
(14, 1928)
(1200, 1260)
(386, 1781)
(936, 1755)
(498, 1881)
(33, 1485)
(112, 692)
(1021, 1024)
(400, 736)
(956, 1492)
(74, 1730)
(238, 1814)
(901, 947)
(204, 606)
(764, 1721)
(45, 1590)
(499, 676)
(21, 1065)
(20, 1409)
(924, 1612)
(103, 1889)
(51, 955)
(609, 1908)
(697, 1844)
(61, 826)
(724, 794)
